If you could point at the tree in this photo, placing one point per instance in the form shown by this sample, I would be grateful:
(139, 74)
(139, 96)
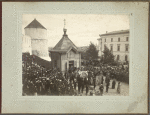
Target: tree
(92, 52)
(107, 57)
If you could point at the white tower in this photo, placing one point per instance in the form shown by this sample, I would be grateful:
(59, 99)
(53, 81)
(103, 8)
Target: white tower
(39, 42)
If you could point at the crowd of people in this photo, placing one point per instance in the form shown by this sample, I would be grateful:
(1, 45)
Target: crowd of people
(38, 80)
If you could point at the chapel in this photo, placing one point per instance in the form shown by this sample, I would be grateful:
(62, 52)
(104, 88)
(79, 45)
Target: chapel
(65, 54)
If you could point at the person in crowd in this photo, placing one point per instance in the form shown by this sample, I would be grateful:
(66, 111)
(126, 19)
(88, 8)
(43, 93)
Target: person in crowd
(91, 93)
(32, 88)
(94, 82)
(101, 89)
(107, 83)
(38, 87)
(89, 76)
(101, 77)
(86, 81)
(47, 86)
(79, 82)
(118, 88)
(82, 84)
(113, 84)
(52, 87)
(75, 82)
(73, 76)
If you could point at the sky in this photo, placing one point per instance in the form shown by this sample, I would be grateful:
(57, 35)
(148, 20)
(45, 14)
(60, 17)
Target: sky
(81, 28)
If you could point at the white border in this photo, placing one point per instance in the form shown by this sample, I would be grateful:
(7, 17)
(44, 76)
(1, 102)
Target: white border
(73, 103)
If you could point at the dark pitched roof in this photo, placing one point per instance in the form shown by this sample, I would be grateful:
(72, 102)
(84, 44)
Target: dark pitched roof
(116, 32)
(64, 45)
(35, 24)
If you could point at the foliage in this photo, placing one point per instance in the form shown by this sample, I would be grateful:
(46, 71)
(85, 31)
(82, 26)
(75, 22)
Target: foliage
(107, 57)
(91, 53)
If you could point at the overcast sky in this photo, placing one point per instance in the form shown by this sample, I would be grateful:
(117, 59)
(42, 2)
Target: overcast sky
(81, 28)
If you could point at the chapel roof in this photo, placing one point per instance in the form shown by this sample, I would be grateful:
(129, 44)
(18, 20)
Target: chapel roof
(64, 44)
(35, 24)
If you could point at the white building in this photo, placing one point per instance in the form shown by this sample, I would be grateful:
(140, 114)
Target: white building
(39, 41)
(117, 42)
(26, 44)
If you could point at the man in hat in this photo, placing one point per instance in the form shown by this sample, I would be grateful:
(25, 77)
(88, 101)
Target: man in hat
(107, 83)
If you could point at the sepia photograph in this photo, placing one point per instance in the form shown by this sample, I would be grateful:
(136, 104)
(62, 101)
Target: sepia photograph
(75, 55)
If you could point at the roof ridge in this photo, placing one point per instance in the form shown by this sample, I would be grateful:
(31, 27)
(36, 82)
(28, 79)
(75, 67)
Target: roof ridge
(115, 32)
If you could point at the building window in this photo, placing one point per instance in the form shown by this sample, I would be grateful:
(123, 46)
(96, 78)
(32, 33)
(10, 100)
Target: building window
(118, 48)
(126, 58)
(118, 57)
(111, 47)
(105, 40)
(126, 47)
(111, 39)
(118, 39)
(127, 38)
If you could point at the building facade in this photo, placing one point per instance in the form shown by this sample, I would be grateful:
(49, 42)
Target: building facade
(65, 54)
(39, 42)
(117, 42)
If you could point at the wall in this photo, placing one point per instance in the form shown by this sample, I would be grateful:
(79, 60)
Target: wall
(68, 57)
(36, 33)
(41, 46)
(26, 44)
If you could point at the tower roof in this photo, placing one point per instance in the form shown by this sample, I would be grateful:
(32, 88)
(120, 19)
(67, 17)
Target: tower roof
(35, 24)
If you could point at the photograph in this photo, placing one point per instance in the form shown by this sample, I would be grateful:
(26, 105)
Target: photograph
(75, 57)
(75, 54)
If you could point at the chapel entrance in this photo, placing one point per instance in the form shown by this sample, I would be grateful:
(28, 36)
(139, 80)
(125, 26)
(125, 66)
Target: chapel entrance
(71, 64)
